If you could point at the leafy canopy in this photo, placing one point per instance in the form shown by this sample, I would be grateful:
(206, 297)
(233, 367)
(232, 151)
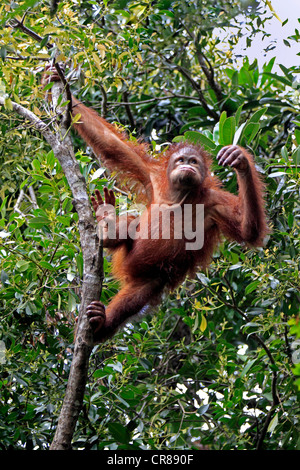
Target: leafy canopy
(219, 362)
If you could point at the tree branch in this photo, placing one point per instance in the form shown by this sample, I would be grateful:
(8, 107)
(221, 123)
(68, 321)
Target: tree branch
(153, 100)
(38, 124)
(211, 112)
(206, 67)
(128, 110)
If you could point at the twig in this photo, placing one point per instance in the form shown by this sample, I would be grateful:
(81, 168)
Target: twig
(104, 102)
(14, 23)
(206, 67)
(197, 88)
(19, 200)
(211, 112)
(33, 198)
(9, 57)
(21, 196)
(153, 100)
(37, 123)
(128, 111)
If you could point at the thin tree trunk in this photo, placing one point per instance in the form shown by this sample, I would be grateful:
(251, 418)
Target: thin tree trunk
(91, 288)
(62, 147)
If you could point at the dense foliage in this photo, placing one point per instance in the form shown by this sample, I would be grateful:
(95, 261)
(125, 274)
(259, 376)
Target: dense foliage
(218, 364)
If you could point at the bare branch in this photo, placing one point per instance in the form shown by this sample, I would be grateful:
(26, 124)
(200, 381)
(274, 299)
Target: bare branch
(33, 198)
(104, 102)
(153, 100)
(205, 66)
(128, 110)
(38, 124)
(17, 205)
(211, 112)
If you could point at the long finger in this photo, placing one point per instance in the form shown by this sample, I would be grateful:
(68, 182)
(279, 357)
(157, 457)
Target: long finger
(232, 157)
(99, 197)
(112, 198)
(222, 151)
(231, 150)
(106, 195)
(97, 323)
(94, 203)
(97, 303)
(227, 151)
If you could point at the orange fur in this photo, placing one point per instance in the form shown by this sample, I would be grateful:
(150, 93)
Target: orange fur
(146, 267)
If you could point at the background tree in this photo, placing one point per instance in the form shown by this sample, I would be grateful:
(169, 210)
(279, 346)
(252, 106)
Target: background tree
(218, 363)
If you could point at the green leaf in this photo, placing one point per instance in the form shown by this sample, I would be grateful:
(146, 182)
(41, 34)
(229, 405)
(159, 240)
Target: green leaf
(273, 423)
(196, 111)
(257, 115)
(79, 263)
(286, 72)
(227, 131)
(47, 265)
(223, 118)
(202, 409)
(48, 86)
(44, 41)
(119, 432)
(285, 154)
(279, 78)
(251, 287)
(125, 403)
(290, 220)
(71, 302)
(238, 115)
(51, 159)
(8, 104)
(203, 324)
(247, 367)
(65, 220)
(76, 118)
(250, 131)
(296, 156)
(46, 189)
(297, 135)
(239, 133)
(197, 138)
(276, 174)
(245, 77)
(2, 207)
(3, 52)
(22, 266)
(145, 363)
(38, 222)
